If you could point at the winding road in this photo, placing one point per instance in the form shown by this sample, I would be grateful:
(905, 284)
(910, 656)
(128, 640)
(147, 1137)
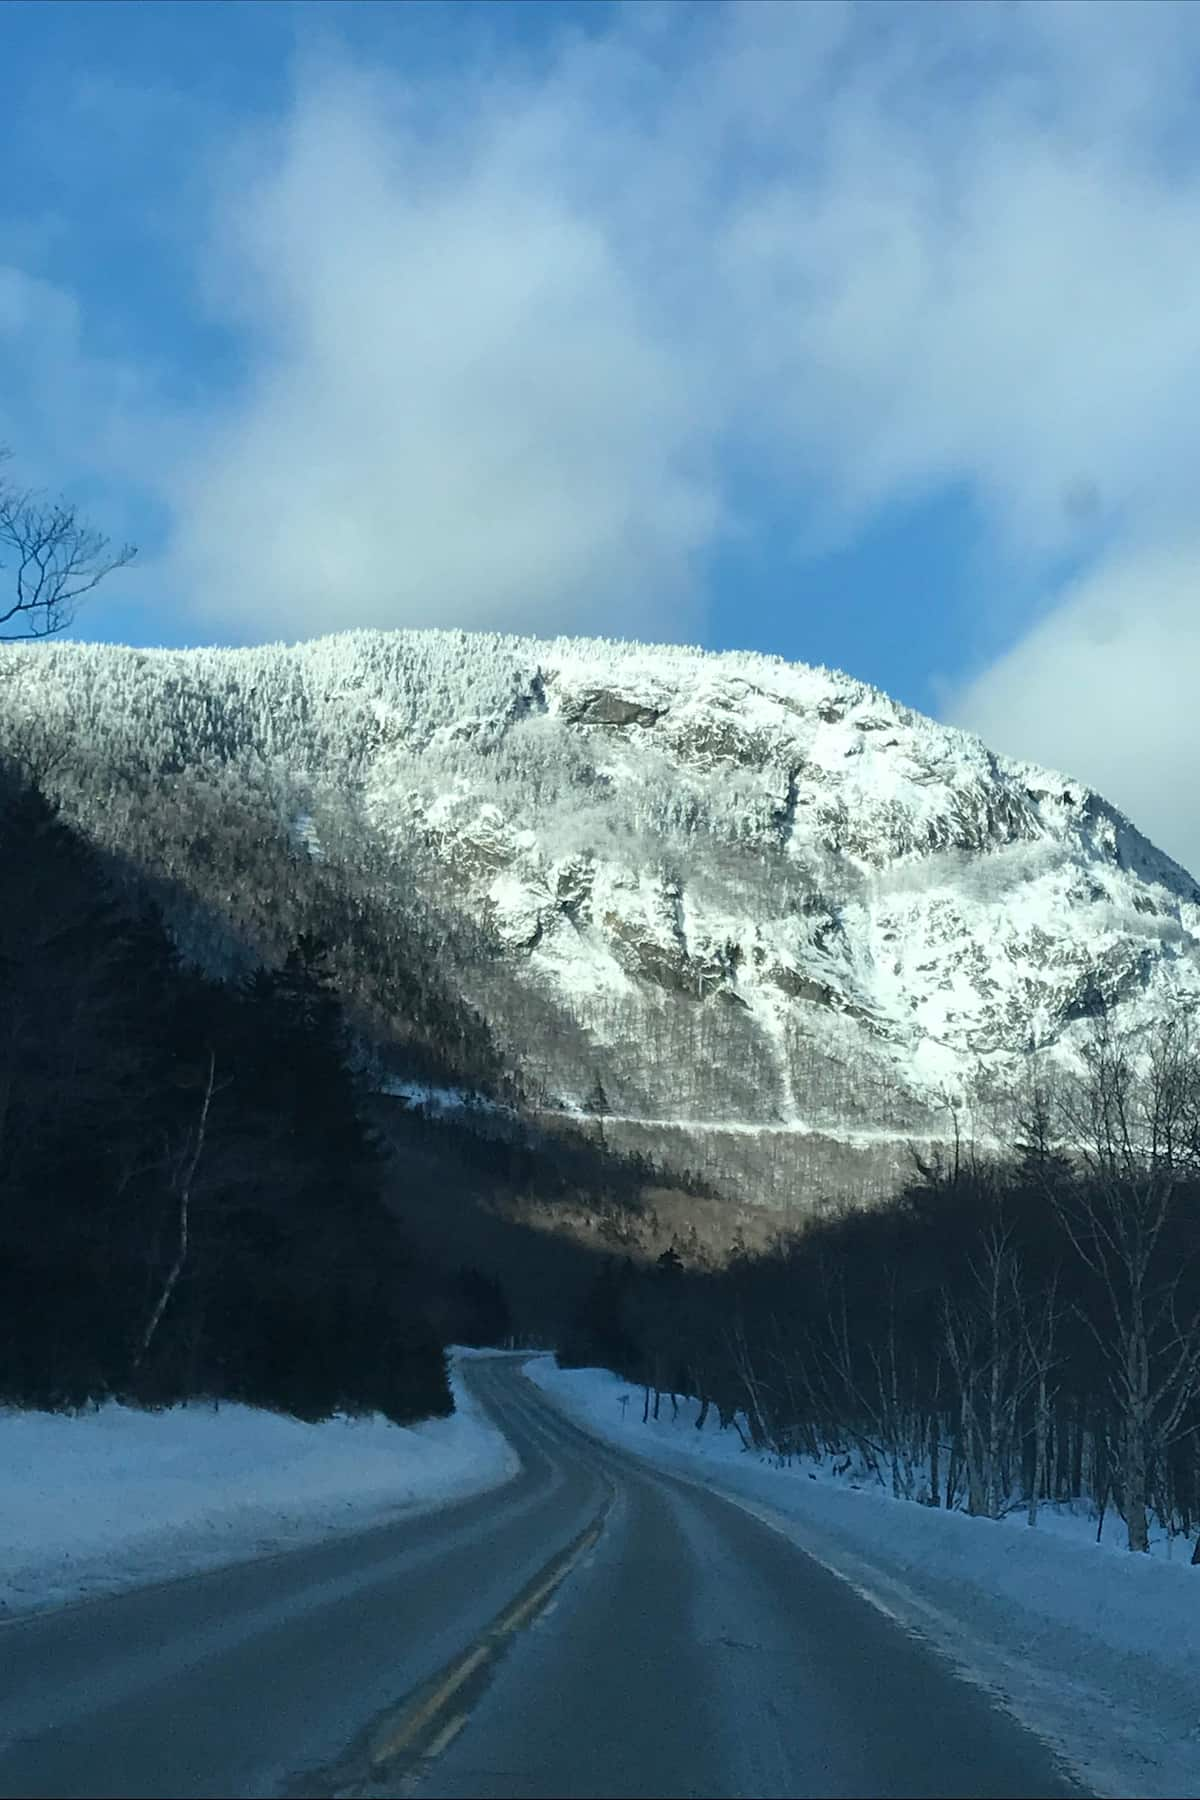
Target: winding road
(594, 1627)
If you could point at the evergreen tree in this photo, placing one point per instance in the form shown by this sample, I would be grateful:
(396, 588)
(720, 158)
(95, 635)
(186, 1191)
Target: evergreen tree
(189, 1199)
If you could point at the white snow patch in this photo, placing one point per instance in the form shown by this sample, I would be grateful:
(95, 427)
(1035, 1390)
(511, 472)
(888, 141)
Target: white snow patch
(433, 1099)
(97, 1502)
(304, 833)
(849, 1134)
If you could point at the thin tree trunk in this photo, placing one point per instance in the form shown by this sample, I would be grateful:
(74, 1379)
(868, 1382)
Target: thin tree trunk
(1135, 1485)
(1134, 1472)
(185, 1196)
(992, 1497)
(971, 1452)
(1041, 1427)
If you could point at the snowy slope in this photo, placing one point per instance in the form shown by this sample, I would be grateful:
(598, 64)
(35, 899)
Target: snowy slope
(735, 892)
(117, 1498)
(1092, 1648)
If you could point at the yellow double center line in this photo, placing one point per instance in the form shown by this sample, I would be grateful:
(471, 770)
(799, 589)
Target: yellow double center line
(404, 1742)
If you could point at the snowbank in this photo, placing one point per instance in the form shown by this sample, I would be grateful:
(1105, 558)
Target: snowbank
(118, 1498)
(1094, 1649)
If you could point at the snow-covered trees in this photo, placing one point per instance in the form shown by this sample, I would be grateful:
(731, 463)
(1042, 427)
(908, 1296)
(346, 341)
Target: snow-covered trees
(743, 892)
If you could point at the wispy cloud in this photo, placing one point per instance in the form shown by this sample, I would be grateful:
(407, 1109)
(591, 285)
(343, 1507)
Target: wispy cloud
(508, 334)
(458, 408)
(1105, 687)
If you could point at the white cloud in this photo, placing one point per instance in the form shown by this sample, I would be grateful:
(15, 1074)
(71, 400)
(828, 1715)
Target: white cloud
(459, 410)
(1106, 688)
(507, 331)
(973, 282)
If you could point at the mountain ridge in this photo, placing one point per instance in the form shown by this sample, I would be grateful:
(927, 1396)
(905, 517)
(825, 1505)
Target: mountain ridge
(716, 885)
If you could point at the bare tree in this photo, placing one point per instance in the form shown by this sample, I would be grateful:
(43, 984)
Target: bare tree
(1039, 1324)
(55, 559)
(1135, 1127)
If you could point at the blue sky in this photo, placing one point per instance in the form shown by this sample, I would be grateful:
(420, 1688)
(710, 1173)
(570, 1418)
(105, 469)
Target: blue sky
(867, 335)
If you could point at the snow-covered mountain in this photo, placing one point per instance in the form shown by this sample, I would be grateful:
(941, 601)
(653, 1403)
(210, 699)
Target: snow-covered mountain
(756, 915)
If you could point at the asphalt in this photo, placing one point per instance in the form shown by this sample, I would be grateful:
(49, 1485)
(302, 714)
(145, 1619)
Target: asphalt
(594, 1627)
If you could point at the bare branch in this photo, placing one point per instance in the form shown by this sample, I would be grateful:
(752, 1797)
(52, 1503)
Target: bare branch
(55, 559)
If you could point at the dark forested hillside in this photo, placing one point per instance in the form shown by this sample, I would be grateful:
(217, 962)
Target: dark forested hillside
(200, 1190)
(190, 1201)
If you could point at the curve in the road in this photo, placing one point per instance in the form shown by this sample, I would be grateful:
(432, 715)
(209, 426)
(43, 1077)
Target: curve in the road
(594, 1627)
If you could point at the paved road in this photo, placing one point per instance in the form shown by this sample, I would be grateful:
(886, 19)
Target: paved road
(592, 1628)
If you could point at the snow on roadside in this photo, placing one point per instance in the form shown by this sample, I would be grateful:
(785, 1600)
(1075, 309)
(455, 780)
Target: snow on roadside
(1097, 1652)
(96, 1502)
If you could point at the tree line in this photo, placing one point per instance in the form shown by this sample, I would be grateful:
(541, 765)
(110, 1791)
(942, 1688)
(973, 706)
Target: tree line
(1005, 1331)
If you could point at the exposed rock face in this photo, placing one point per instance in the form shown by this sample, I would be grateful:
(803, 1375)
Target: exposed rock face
(756, 895)
(601, 706)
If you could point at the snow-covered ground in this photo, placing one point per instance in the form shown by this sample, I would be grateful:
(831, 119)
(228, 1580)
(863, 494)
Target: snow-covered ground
(423, 1096)
(1096, 1650)
(118, 1498)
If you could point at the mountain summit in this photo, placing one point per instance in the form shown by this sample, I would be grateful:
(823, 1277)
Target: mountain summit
(754, 916)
